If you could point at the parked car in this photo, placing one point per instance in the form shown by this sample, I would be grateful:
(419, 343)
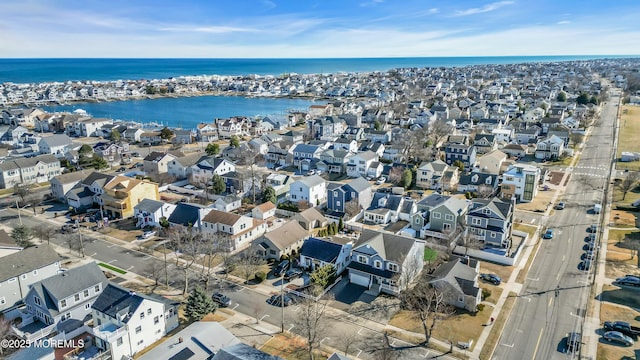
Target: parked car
(381, 181)
(590, 237)
(121, 169)
(574, 339)
(492, 278)
(221, 299)
(281, 268)
(585, 265)
(587, 255)
(279, 300)
(147, 234)
(593, 228)
(560, 206)
(629, 280)
(617, 337)
(548, 234)
(67, 228)
(135, 154)
(589, 246)
(292, 274)
(623, 327)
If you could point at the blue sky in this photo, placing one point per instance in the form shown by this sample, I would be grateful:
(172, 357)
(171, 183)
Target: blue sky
(310, 28)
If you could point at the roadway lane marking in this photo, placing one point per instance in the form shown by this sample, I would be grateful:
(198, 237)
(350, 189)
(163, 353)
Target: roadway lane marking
(562, 257)
(509, 346)
(526, 298)
(393, 342)
(267, 315)
(235, 306)
(112, 261)
(327, 338)
(425, 355)
(360, 352)
(550, 301)
(558, 276)
(572, 314)
(536, 279)
(532, 221)
(94, 254)
(290, 327)
(241, 288)
(130, 267)
(537, 344)
(297, 308)
(359, 331)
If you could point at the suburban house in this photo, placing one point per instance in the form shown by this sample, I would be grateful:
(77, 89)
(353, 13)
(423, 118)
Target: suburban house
(479, 182)
(281, 183)
(491, 162)
(149, 212)
(180, 167)
(56, 145)
(439, 216)
(464, 153)
(112, 152)
(207, 132)
(515, 150)
(386, 208)
(18, 271)
(61, 184)
(189, 215)
(126, 322)
(304, 155)
(357, 190)
(243, 351)
(550, 148)
(334, 251)
(227, 203)
(520, 181)
(122, 193)
(310, 219)
(281, 241)
(360, 163)
(86, 126)
(151, 137)
(157, 163)
(490, 221)
(202, 172)
(312, 189)
(484, 143)
(27, 171)
(348, 145)
(383, 262)
(66, 295)
(231, 127)
(183, 136)
(264, 211)
(239, 230)
(278, 156)
(457, 279)
(436, 175)
(88, 191)
(334, 161)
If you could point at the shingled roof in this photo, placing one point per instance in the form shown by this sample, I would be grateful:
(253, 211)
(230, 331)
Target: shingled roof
(29, 259)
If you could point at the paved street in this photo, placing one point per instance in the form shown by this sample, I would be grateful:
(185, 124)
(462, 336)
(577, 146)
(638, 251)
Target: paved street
(554, 296)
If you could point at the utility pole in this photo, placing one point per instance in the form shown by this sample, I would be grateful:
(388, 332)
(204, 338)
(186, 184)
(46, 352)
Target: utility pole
(282, 302)
(19, 216)
(166, 274)
(80, 236)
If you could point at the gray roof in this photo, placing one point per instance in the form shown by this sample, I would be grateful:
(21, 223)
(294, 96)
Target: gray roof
(304, 148)
(101, 178)
(22, 163)
(71, 177)
(27, 260)
(312, 181)
(243, 352)
(57, 140)
(149, 205)
(501, 208)
(286, 235)
(389, 246)
(115, 300)
(359, 184)
(459, 275)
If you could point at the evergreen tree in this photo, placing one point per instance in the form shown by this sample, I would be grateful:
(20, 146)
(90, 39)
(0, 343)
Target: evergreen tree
(340, 225)
(323, 276)
(199, 305)
(235, 142)
(115, 135)
(219, 185)
(212, 149)
(22, 235)
(166, 133)
(269, 194)
(406, 178)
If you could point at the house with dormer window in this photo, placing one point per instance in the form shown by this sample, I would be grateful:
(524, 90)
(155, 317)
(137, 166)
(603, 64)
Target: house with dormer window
(550, 148)
(464, 153)
(338, 195)
(439, 213)
(66, 295)
(305, 155)
(334, 161)
(239, 229)
(360, 163)
(490, 221)
(202, 172)
(484, 143)
(437, 175)
(479, 181)
(384, 262)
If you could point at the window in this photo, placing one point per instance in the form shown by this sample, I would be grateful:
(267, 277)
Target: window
(142, 315)
(76, 297)
(448, 217)
(393, 267)
(476, 221)
(362, 259)
(149, 311)
(3, 300)
(141, 341)
(23, 276)
(12, 280)
(86, 293)
(119, 341)
(436, 215)
(139, 329)
(486, 211)
(97, 288)
(337, 203)
(63, 303)
(493, 235)
(446, 226)
(377, 264)
(87, 306)
(156, 320)
(35, 272)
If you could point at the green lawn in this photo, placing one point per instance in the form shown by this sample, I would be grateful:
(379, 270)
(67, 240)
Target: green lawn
(112, 268)
(430, 254)
(628, 136)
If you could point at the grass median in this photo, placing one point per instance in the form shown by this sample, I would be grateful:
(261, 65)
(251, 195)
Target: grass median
(112, 268)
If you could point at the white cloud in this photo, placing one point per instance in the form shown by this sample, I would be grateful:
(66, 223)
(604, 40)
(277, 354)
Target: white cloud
(484, 9)
(269, 4)
(433, 11)
(563, 22)
(371, 3)
(206, 29)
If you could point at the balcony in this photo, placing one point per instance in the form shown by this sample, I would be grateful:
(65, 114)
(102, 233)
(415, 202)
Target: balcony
(109, 332)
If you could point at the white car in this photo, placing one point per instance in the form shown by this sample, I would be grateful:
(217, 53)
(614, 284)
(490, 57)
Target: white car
(148, 234)
(381, 181)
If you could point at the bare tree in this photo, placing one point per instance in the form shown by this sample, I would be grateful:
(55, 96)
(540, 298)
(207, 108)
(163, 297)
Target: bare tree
(346, 340)
(252, 159)
(628, 183)
(310, 321)
(378, 346)
(395, 174)
(6, 332)
(484, 191)
(429, 305)
(352, 208)
(45, 232)
(576, 138)
(468, 241)
(248, 263)
(34, 201)
(185, 242)
(410, 271)
(154, 270)
(210, 250)
(22, 191)
(164, 178)
(438, 131)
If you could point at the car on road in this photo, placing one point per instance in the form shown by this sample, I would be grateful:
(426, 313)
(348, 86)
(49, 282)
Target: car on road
(135, 154)
(574, 339)
(147, 234)
(492, 278)
(548, 234)
(292, 274)
(629, 280)
(589, 246)
(279, 300)
(221, 299)
(121, 169)
(618, 338)
(281, 268)
(593, 228)
(590, 237)
(560, 206)
(587, 255)
(585, 265)
(67, 228)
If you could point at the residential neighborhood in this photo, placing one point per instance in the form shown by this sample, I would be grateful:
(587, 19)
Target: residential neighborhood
(144, 240)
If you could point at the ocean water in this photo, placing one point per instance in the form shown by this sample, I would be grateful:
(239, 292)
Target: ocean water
(48, 70)
(187, 112)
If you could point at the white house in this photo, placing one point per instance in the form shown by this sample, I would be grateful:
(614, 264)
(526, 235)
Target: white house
(359, 163)
(126, 322)
(57, 144)
(264, 211)
(316, 253)
(148, 212)
(312, 189)
(202, 172)
(550, 148)
(26, 171)
(239, 230)
(521, 181)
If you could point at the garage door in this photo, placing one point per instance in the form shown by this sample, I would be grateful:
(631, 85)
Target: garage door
(362, 280)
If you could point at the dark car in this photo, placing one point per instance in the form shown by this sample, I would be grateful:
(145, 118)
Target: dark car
(560, 206)
(587, 255)
(279, 300)
(617, 337)
(121, 169)
(574, 339)
(590, 238)
(585, 265)
(221, 300)
(281, 268)
(292, 274)
(492, 278)
(629, 280)
(589, 246)
(593, 228)
(548, 234)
